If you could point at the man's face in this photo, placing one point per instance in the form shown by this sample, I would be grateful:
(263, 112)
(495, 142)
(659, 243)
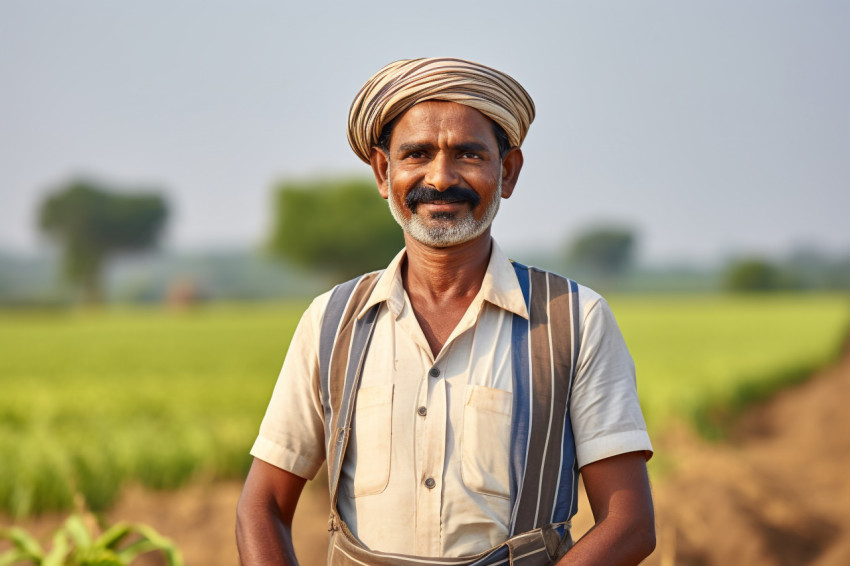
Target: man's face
(444, 178)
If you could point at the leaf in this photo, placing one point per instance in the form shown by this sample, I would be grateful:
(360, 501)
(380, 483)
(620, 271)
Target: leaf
(131, 551)
(78, 532)
(14, 556)
(59, 551)
(24, 542)
(173, 556)
(96, 557)
(113, 536)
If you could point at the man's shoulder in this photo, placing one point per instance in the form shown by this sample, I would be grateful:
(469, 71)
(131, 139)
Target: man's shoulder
(343, 290)
(587, 296)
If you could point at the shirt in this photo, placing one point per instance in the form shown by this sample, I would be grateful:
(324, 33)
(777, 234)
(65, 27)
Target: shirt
(426, 468)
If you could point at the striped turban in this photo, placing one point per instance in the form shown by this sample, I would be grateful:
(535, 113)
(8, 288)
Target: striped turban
(401, 84)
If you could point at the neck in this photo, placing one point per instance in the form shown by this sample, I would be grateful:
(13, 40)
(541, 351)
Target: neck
(446, 274)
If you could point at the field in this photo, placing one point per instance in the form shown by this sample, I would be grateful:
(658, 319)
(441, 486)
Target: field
(95, 401)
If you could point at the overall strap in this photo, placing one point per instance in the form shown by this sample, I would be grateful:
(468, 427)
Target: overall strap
(343, 343)
(543, 467)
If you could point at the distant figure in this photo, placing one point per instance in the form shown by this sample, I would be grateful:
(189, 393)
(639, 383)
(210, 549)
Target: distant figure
(183, 293)
(456, 395)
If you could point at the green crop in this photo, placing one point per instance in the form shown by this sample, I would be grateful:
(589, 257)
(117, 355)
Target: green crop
(705, 358)
(90, 402)
(81, 542)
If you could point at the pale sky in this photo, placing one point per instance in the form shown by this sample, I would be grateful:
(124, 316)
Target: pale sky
(713, 127)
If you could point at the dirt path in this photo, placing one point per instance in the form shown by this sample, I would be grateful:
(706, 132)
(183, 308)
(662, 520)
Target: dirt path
(775, 496)
(778, 494)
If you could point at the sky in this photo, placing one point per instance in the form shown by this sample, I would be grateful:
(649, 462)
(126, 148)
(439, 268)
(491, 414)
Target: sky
(713, 128)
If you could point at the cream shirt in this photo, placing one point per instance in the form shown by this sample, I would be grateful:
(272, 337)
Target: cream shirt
(426, 472)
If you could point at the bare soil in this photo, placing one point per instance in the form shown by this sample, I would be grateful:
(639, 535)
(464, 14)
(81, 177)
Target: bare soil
(776, 494)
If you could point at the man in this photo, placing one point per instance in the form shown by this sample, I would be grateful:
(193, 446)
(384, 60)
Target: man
(455, 394)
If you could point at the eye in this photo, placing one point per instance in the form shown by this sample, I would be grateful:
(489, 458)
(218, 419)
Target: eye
(469, 155)
(413, 154)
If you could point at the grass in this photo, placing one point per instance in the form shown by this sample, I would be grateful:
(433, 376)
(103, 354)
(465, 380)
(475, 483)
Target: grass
(705, 358)
(91, 401)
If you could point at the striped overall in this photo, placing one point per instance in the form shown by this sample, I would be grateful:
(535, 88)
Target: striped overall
(543, 467)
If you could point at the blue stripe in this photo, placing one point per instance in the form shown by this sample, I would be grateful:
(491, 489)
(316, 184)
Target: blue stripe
(566, 502)
(520, 417)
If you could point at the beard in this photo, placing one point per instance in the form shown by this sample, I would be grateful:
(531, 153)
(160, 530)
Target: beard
(442, 230)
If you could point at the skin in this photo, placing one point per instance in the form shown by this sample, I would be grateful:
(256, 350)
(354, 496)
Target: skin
(440, 145)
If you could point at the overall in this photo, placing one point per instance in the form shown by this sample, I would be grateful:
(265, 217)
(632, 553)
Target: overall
(543, 467)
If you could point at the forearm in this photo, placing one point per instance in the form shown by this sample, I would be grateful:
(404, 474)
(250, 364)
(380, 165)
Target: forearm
(614, 541)
(262, 537)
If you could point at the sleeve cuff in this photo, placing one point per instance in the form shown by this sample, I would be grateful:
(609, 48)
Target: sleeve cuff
(285, 459)
(613, 445)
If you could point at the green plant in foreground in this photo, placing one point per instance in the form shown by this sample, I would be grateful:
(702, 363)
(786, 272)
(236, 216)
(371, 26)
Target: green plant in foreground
(78, 542)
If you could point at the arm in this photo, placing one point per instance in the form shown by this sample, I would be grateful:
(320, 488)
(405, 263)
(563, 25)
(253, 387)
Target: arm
(620, 498)
(264, 515)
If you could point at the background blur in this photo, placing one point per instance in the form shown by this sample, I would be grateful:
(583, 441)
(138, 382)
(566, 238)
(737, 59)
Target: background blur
(175, 185)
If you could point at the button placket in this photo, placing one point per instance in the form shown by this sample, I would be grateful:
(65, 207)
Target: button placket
(430, 461)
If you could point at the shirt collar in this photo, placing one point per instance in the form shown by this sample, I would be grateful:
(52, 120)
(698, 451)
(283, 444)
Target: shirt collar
(499, 287)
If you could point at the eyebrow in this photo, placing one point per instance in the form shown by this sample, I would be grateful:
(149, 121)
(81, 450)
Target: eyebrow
(463, 146)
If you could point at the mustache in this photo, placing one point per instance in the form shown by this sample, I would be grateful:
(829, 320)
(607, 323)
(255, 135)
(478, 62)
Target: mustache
(422, 194)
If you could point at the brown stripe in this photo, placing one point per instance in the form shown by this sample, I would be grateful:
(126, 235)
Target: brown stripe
(560, 327)
(339, 358)
(541, 397)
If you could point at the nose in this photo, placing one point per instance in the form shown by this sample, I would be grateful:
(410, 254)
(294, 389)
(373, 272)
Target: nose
(442, 172)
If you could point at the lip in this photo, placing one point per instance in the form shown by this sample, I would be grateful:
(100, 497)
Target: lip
(444, 206)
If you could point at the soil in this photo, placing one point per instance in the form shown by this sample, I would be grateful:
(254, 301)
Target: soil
(775, 494)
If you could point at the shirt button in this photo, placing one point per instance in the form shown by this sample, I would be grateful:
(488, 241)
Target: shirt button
(430, 483)
(422, 411)
(434, 372)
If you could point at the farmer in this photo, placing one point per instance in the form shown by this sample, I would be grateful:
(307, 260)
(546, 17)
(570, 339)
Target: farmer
(455, 395)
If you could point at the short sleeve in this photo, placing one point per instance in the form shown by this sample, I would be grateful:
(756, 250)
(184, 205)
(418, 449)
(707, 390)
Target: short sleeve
(292, 432)
(604, 408)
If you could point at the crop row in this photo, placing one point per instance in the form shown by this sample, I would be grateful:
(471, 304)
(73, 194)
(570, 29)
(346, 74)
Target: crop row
(93, 401)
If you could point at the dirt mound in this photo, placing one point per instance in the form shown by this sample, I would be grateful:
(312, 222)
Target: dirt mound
(776, 495)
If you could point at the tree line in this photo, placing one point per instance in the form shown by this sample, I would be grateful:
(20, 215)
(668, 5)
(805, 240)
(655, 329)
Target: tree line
(341, 227)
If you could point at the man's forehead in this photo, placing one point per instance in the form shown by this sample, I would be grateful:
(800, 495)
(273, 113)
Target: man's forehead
(433, 123)
(437, 111)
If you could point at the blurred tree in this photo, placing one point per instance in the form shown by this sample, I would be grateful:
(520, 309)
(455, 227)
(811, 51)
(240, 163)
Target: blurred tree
(339, 226)
(90, 224)
(603, 251)
(749, 275)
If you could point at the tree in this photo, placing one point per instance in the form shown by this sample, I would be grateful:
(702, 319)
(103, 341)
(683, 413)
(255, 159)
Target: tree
(605, 251)
(339, 226)
(91, 224)
(754, 275)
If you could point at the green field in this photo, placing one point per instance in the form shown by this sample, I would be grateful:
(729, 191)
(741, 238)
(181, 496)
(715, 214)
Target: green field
(93, 400)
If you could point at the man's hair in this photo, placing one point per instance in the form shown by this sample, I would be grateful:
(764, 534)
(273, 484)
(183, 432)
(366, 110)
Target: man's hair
(502, 139)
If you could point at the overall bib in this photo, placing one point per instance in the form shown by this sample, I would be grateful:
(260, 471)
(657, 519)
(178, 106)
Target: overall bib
(543, 466)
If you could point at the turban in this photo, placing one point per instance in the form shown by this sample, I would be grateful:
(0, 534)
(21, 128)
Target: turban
(400, 85)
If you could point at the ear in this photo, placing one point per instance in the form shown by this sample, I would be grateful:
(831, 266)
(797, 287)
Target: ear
(379, 161)
(511, 166)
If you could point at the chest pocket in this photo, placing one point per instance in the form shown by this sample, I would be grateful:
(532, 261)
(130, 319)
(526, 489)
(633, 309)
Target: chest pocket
(486, 441)
(372, 439)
